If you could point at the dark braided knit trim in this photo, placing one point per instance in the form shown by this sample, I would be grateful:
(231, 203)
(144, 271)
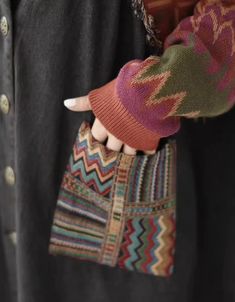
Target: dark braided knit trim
(149, 23)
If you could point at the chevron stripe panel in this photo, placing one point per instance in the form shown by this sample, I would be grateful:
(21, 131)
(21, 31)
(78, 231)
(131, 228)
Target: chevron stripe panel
(117, 209)
(92, 163)
(148, 245)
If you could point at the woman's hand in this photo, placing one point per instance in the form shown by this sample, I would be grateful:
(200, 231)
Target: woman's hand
(98, 130)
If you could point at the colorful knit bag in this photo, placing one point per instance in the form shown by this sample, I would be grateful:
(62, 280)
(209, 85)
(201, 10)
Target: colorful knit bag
(117, 209)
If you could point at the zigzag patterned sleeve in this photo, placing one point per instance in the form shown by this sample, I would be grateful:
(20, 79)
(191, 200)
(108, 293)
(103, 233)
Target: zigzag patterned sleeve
(194, 77)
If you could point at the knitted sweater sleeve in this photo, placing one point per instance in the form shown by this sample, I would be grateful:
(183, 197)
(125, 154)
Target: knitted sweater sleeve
(194, 77)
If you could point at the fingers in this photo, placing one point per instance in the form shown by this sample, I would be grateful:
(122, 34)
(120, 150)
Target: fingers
(149, 152)
(78, 104)
(98, 131)
(114, 143)
(129, 150)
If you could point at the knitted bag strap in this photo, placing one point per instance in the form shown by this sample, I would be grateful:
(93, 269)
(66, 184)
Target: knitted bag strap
(142, 11)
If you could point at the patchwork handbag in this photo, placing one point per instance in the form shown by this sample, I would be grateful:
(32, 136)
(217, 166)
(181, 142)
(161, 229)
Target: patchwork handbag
(117, 209)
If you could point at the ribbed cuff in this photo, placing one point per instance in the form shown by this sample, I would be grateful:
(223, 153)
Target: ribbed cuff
(117, 120)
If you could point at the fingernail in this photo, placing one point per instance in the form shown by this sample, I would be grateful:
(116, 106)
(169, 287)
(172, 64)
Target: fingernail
(70, 103)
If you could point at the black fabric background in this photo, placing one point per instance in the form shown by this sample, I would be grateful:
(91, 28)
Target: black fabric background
(61, 49)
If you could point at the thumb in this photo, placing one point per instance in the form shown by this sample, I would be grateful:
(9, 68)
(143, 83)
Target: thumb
(78, 104)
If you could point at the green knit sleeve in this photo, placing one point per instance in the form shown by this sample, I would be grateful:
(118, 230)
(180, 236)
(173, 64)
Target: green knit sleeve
(194, 77)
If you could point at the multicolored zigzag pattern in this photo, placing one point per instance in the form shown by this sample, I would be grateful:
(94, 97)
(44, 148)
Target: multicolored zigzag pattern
(117, 209)
(92, 164)
(148, 245)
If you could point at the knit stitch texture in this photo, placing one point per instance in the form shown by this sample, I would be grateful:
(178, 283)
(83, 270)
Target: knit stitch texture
(194, 77)
(117, 209)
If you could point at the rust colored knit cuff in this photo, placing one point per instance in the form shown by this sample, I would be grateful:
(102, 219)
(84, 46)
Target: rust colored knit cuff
(117, 120)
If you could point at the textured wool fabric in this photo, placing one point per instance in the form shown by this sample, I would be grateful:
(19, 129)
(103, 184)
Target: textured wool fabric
(50, 54)
(63, 49)
(117, 209)
(193, 78)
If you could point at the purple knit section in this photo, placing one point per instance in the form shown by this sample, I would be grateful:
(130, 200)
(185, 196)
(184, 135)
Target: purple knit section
(133, 98)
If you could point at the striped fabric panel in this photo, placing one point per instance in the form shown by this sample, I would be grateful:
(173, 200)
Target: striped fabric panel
(148, 245)
(145, 209)
(117, 209)
(150, 214)
(92, 163)
(75, 187)
(83, 205)
(151, 177)
(79, 223)
(115, 225)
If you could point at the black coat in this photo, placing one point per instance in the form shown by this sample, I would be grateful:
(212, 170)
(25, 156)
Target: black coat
(60, 49)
